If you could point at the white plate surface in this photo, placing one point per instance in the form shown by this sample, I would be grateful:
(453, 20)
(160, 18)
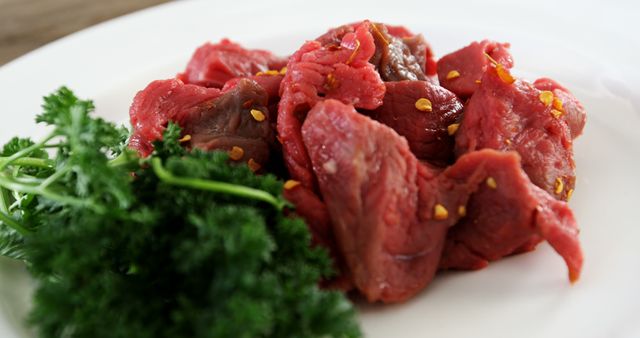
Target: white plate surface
(590, 47)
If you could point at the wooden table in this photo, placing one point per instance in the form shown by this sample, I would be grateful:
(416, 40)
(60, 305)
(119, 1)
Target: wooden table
(28, 24)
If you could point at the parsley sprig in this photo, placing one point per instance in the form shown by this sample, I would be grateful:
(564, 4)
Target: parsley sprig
(179, 244)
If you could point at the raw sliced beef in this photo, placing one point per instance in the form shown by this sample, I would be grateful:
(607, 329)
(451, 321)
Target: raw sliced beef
(316, 72)
(574, 112)
(505, 214)
(214, 64)
(213, 120)
(390, 214)
(422, 51)
(513, 116)
(394, 59)
(426, 130)
(400, 54)
(413, 180)
(238, 121)
(313, 210)
(269, 82)
(461, 70)
(399, 31)
(160, 102)
(419, 47)
(371, 184)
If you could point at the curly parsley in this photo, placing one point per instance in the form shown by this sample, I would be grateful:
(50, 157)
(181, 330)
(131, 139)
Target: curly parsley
(180, 244)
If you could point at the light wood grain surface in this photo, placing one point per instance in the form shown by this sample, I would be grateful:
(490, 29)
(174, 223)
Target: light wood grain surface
(28, 24)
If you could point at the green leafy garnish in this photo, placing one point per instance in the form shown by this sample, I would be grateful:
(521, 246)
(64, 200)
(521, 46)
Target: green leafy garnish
(180, 244)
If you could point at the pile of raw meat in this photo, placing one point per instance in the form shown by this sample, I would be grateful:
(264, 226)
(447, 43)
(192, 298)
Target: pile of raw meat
(400, 165)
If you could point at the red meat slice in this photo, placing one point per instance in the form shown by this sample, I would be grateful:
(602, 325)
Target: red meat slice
(503, 218)
(512, 116)
(269, 82)
(160, 102)
(212, 119)
(426, 131)
(400, 54)
(470, 63)
(574, 112)
(390, 213)
(314, 212)
(228, 122)
(371, 184)
(333, 37)
(399, 31)
(316, 72)
(394, 59)
(423, 53)
(419, 47)
(214, 64)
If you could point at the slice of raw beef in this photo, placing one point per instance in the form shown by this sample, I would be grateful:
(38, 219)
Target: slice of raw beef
(426, 114)
(515, 115)
(507, 213)
(236, 120)
(390, 214)
(399, 55)
(381, 201)
(214, 64)
(564, 101)
(462, 70)
(317, 72)
(160, 102)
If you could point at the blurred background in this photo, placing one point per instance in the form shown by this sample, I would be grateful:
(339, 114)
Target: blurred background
(28, 24)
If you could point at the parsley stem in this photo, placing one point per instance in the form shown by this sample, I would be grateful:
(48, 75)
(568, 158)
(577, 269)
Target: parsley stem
(59, 173)
(8, 220)
(214, 186)
(24, 152)
(4, 200)
(55, 145)
(30, 162)
(10, 184)
(27, 180)
(125, 158)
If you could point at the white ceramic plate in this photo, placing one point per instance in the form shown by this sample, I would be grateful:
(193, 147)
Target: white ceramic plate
(589, 47)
